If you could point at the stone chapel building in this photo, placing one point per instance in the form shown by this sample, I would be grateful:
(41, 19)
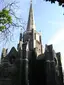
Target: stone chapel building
(29, 65)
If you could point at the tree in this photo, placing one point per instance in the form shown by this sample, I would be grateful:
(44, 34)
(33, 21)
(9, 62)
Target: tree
(9, 21)
(5, 19)
(61, 2)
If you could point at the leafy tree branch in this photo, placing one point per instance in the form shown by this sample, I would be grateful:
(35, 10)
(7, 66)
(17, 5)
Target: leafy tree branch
(60, 2)
(9, 21)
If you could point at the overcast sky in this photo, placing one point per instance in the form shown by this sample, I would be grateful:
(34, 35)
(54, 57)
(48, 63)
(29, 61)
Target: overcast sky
(49, 20)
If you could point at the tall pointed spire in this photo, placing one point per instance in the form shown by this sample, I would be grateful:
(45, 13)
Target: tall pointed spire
(31, 23)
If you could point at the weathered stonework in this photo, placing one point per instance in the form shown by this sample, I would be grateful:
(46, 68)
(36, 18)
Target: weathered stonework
(28, 65)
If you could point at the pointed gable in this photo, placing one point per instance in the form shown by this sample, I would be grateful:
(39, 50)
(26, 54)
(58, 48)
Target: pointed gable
(12, 52)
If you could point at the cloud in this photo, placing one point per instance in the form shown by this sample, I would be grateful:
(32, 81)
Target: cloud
(58, 43)
(58, 22)
(57, 37)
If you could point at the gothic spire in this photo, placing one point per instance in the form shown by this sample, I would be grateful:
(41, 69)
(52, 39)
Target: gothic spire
(31, 23)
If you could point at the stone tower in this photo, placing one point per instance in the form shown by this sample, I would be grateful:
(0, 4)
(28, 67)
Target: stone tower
(32, 35)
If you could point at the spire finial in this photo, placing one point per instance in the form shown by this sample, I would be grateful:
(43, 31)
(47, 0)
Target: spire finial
(31, 1)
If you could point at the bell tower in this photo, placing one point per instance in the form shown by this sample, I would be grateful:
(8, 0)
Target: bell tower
(32, 35)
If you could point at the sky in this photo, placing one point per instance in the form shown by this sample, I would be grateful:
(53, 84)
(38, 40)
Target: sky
(49, 20)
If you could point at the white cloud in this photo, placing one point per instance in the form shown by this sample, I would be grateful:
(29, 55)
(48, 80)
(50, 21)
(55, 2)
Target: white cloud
(57, 38)
(58, 43)
(56, 23)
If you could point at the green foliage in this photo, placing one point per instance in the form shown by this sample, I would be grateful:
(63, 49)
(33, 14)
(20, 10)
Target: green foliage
(5, 19)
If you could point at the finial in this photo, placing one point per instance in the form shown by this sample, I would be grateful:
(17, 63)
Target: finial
(21, 30)
(31, 1)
